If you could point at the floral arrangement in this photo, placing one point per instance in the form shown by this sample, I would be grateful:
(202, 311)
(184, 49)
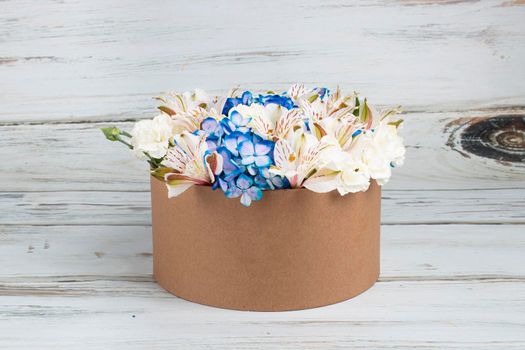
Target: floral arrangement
(245, 144)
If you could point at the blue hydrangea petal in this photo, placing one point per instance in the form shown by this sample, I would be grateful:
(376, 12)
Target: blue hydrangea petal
(209, 125)
(229, 104)
(225, 154)
(242, 167)
(212, 144)
(230, 167)
(243, 129)
(322, 92)
(246, 148)
(247, 160)
(264, 172)
(246, 199)
(227, 126)
(230, 142)
(254, 193)
(236, 118)
(222, 184)
(260, 181)
(247, 98)
(233, 192)
(251, 170)
(256, 138)
(263, 147)
(242, 137)
(277, 181)
(281, 100)
(244, 182)
(230, 177)
(263, 161)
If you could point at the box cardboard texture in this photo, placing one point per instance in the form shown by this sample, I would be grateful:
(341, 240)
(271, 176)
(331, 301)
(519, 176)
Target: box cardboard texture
(294, 249)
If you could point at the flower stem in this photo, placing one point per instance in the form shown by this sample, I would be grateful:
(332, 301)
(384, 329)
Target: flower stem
(124, 142)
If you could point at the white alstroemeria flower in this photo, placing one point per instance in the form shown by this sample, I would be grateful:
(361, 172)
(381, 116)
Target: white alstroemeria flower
(334, 106)
(314, 108)
(295, 91)
(300, 156)
(342, 129)
(186, 102)
(271, 121)
(189, 109)
(191, 162)
(152, 136)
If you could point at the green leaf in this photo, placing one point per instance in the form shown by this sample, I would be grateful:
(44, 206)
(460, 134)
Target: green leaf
(312, 98)
(161, 171)
(365, 112)
(396, 123)
(112, 133)
(153, 162)
(356, 110)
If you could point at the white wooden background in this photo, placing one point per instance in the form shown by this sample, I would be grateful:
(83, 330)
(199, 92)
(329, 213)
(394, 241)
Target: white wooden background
(75, 250)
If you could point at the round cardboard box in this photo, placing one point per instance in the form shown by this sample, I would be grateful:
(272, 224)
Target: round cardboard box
(294, 249)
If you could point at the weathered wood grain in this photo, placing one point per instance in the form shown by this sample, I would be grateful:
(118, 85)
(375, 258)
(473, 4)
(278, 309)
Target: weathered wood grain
(395, 315)
(75, 245)
(77, 60)
(77, 157)
(497, 206)
(71, 260)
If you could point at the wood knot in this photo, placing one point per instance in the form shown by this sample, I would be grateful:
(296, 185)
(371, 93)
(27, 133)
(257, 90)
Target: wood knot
(501, 138)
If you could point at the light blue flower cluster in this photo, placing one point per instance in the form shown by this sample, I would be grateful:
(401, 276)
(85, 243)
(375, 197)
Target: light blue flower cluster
(246, 156)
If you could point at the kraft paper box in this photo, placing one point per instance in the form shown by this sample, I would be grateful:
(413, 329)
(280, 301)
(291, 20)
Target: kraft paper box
(295, 249)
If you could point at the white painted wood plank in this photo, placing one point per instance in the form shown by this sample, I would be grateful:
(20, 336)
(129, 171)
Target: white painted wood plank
(78, 157)
(74, 286)
(87, 252)
(77, 60)
(395, 315)
(73, 260)
(133, 208)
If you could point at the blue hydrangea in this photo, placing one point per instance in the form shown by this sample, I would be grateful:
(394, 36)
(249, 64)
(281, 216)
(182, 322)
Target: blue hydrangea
(214, 132)
(247, 158)
(322, 92)
(247, 99)
(281, 100)
(245, 188)
(235, 122)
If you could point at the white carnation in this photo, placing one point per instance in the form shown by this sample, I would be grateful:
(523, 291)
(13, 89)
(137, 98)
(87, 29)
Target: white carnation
(387, 136)
(353, 178)
(152, 136)
(353, 173)
(339, 170)
(380, 150)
